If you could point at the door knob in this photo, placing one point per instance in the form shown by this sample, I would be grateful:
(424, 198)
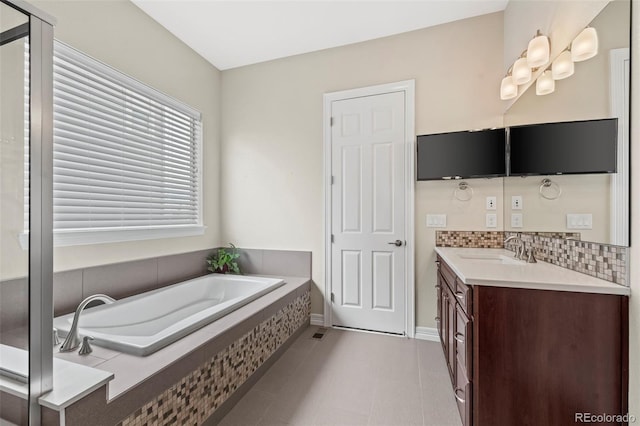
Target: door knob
(396, 243)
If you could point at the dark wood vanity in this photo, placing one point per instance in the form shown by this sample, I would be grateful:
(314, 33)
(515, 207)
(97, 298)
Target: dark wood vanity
(519, 356)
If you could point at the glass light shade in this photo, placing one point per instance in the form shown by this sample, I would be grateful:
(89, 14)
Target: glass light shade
(508, 89)
(585, 45)
(563, 66)
(538, 52)
(521, 71)
(545, 84)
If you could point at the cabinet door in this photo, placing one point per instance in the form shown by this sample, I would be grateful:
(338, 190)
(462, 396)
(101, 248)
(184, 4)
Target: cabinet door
(439, 315)
(451, 332)
(464, 340)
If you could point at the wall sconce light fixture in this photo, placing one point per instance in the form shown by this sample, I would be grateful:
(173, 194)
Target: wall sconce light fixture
(583, 47)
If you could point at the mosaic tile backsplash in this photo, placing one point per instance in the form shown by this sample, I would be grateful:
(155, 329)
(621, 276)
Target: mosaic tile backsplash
(194, 398)
(604, 261)
(564, 249)
(475, 239)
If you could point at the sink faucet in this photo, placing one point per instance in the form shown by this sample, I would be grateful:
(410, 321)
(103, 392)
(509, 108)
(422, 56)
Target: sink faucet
(519, 253)
(73, 339)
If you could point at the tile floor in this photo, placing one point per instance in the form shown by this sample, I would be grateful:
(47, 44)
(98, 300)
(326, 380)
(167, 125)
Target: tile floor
(352, 378)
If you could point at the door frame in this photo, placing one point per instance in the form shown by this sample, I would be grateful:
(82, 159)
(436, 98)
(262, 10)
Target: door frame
(408, 88)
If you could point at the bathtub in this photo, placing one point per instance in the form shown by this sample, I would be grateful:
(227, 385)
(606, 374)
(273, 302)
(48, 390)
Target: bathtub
(144, 323)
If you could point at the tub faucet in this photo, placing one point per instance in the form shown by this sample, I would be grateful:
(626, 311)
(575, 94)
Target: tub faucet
(519, 253)
(73, 339)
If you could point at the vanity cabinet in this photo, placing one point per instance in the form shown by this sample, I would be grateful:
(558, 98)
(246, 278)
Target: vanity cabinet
(521, 356)
(455, 328)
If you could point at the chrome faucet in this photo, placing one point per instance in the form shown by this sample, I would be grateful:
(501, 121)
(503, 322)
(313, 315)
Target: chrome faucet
(73, 339)
(519, 253)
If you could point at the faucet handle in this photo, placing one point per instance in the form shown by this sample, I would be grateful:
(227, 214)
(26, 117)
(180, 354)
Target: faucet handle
(530, 256)
(56, 337)
(86, 348)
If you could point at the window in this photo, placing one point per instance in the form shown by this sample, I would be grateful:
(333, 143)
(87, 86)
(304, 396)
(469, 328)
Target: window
(126, 157)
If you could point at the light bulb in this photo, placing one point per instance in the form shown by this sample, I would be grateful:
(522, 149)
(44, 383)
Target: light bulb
(585, 45)
(563, 66)
(508, 89)
(521, 71)
(538, 52)
(545, 84)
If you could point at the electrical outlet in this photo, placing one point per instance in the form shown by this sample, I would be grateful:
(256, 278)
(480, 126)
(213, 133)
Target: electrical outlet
(436, 221)
(516, 220)
(491, 203)
(492, 220)
(516, 202)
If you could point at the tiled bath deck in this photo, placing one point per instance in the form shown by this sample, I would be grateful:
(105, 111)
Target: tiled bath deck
(352, 378)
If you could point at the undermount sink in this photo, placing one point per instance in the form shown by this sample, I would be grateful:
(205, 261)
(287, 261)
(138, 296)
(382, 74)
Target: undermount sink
(492, 258)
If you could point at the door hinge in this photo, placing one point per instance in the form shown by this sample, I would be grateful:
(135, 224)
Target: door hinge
(331, 121)
(332, 239)
(333, 297)
(332, 179)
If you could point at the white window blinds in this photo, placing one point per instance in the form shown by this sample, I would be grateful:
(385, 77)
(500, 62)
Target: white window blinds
(126, 157)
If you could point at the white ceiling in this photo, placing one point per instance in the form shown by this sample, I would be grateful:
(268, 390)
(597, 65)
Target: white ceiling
(231, 33)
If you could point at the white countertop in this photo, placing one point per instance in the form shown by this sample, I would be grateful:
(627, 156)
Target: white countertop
(480, 266)
(71, 381)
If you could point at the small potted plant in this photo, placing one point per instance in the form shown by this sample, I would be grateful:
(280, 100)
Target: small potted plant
(224, 261)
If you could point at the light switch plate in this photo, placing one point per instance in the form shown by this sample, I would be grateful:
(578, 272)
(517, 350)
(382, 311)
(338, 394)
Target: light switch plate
(436, 221)
(516, 202)
(491, 203)
(492, 220)
(516, 220)
(579, 221)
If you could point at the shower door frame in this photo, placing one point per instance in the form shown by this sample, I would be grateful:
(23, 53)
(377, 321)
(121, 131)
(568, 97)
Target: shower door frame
(41, 203)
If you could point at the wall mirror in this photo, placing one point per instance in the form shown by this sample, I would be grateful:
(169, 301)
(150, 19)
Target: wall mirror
(596, 206)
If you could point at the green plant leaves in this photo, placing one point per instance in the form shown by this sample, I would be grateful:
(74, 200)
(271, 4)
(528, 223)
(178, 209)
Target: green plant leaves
(224, 261)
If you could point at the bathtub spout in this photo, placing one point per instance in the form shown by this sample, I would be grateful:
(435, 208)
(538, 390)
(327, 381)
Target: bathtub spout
(73, 339)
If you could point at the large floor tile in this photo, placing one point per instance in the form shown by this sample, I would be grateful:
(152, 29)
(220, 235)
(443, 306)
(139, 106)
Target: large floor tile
(352, 378)
(249, 410)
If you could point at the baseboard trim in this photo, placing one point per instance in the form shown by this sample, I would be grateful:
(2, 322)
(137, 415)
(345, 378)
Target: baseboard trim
(317, 319)
(427, 333)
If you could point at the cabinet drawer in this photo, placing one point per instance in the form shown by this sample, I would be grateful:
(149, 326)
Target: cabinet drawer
(464, 341)
(447, 274)
(462, 393)
(464, 295)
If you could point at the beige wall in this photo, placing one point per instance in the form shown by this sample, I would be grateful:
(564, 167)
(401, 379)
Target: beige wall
(121, 35)
(272, 136)
(634, 301)
(583, 96)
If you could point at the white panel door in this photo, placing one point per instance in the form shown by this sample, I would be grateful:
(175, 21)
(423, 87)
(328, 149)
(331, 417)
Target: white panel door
(367, 218)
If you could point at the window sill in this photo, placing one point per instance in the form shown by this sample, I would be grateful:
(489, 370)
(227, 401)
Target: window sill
(77, 238)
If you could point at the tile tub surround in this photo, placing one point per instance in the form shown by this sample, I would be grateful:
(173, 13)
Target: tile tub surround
(604, 261)
(195, 398)
(263, 324)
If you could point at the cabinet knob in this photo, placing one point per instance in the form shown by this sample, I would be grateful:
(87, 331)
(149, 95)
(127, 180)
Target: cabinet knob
(459, 337)
(437, 319)
(459, 295)
(438, 263)
(460, 399)
(437, 286)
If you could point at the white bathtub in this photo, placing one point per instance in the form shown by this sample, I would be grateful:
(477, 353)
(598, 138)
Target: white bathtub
(142, 324)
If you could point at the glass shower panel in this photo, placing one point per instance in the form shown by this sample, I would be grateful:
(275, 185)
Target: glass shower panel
(14, 214)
